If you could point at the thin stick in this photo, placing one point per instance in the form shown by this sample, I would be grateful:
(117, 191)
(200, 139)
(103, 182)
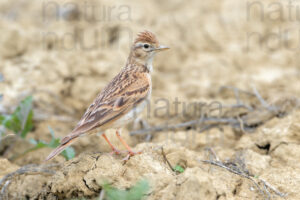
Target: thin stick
(241, 124)
(212, 152)
(165, 158)
(263, 102)
(102, 195)
(237, 89)
(272, 188)
(220, 164)
(250, 177)
(185, 124)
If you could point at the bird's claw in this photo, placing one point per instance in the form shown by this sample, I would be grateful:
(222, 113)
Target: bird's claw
(130, 154)
(115, 151)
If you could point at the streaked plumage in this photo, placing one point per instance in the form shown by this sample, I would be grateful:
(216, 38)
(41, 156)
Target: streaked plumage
(124, 97)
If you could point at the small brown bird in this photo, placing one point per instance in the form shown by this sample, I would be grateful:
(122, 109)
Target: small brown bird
(123, 98)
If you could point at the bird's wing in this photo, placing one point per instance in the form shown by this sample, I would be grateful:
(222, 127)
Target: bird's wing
(123, 93)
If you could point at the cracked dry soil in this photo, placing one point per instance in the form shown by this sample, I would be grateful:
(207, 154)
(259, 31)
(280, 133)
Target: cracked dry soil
(209, 50)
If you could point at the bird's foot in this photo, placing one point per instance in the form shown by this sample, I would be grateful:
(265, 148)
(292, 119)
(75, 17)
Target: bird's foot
(130, 154)
(115, 151)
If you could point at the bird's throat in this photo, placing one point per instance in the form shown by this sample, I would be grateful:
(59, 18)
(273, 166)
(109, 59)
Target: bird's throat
(143, 65)
(149, 64)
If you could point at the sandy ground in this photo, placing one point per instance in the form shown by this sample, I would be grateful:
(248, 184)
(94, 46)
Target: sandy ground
(64, 53)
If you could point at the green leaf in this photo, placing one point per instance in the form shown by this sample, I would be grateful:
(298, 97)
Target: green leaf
(137, 192)
(38, 144)
(12, 123)
(54, 141)
(25, 115)
(20, 121)
(33, 141)
(28, 125)
(68, 153)
(179, 169)
(1, 119)
(51, 132)
(113, 193)
(1, 133)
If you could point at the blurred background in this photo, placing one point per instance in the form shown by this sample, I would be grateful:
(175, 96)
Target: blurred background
(62, 53)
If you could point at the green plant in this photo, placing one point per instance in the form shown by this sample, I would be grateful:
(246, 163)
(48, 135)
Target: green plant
(178, 169)
(20, 121)
(137, 192)
(68, 153)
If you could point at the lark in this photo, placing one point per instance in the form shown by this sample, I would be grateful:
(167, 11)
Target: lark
(122, 99)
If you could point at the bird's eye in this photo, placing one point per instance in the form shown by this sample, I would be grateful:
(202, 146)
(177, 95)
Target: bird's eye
(146, 46)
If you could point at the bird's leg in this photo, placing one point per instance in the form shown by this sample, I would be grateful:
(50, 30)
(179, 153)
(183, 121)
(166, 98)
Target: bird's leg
(114, 150)
(130, 152)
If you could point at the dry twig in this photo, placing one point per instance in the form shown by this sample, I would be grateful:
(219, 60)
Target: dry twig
(239, 169)
(166, 160)
(246, 121)
(263, 102)
(209, 120)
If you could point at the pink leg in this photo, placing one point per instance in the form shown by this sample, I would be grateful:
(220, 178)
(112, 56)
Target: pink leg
(130, 152)
(114, 150)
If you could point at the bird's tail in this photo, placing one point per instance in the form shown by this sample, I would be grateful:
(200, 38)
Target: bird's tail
(65, 142)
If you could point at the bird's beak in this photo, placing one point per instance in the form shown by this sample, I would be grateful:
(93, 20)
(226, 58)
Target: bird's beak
(161, 48)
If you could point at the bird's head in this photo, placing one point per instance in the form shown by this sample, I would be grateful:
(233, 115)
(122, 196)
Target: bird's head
(145, 47)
